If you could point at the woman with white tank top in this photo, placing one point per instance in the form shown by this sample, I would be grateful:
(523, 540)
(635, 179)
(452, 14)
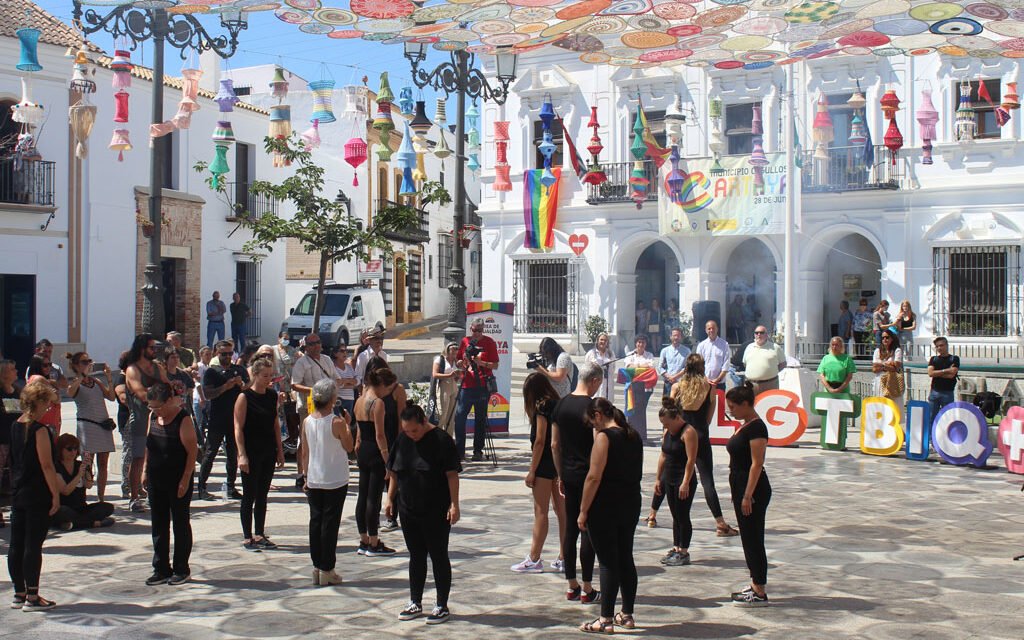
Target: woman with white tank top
(326, 442)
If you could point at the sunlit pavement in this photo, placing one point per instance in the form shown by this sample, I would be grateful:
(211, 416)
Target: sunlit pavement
(859, 547)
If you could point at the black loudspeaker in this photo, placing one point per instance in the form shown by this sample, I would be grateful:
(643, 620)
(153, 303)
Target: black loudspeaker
(703, 311)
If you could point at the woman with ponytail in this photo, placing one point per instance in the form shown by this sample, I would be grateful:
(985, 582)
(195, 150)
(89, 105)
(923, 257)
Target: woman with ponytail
(676, 478)
(610, 508)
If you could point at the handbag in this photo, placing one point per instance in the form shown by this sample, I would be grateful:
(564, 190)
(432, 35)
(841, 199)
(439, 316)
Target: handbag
(106, 425)
(893, 383)
(653, 328)
(432, 416)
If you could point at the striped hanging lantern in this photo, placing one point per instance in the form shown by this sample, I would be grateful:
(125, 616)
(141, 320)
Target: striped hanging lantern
(857, 134)
(278, 84)
(382, 121)
(280, 129)
(323, 94)
(223, 138)
(121, 65)
(966, 119)
(1011, 101)
(355, 155)
(80, 80)
(890, 104)
(441, 116)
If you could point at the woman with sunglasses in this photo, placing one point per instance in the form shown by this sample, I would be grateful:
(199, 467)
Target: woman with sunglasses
(888, 359)
(39, 369)
(74, 512)
(89, 394)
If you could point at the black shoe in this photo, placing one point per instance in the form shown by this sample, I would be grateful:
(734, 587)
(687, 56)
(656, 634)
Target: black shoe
(413, 611)
(750, 599)
(478, 457)
(251, 545)
(179, 578)
(234, 494)
(157, 578)
(266, 544)
(300, 482)
(361, 550)
(379, 550)
(206, 495)
(439, 615)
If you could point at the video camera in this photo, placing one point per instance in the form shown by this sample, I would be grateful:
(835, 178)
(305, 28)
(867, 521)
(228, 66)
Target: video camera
(534, 360)
(472, 349)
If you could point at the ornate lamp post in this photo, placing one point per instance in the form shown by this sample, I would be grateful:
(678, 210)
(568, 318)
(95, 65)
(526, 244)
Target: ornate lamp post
(185, 33)
(459, 76)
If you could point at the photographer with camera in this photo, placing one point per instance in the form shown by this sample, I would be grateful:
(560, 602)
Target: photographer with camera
(555, 364)
(478, 355)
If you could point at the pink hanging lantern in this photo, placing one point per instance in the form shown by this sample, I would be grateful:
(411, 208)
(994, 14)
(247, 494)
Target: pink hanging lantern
(927, 116)
(120, 142)
(502, 171)
(893, 140)
(890, 104)
(121, 107)
(121, 65)
(355, 155)
(595, 175)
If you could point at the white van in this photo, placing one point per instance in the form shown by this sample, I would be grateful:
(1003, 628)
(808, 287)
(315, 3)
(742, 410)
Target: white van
(348, 310)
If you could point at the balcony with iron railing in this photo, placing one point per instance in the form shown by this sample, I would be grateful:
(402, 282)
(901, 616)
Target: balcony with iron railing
(617, 187)
(845, 170)
(414, 234)
(27, 183)
(245, 204)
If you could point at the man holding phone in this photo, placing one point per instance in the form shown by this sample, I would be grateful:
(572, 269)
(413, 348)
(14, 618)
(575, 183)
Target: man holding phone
(222, 384)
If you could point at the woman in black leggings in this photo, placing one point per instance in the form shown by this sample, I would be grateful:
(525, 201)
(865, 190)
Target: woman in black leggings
(371, 456)
(696, 396)
(676, 479)
(751, 491)
(610, 508)
(36, 496)
(258, 436)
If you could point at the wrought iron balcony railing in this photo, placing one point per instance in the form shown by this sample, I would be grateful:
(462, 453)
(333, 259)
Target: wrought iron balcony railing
(617, 188)
(414, 234)
(845, 170)
(249, 205)
(26, 182)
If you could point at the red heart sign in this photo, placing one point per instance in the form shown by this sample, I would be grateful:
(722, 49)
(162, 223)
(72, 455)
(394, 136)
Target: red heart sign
(578, 243)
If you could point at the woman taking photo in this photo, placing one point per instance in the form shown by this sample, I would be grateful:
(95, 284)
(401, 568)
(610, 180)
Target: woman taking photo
(74, 512)
(328, 442)
(676, 478)
(610, 508)
(445, 378)
(258, 436)
(170, 460)
(887, 364)
(371, 456)
(601, 355)
(751, 491)
(557, 366)
(95, 428)
(36, 496)
(836, 369)
(539, 399)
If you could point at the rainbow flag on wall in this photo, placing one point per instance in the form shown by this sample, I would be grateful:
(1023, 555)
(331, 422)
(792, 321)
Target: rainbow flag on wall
(540, 210)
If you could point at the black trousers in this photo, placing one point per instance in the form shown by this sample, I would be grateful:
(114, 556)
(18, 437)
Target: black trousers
(428, 535)
(611, 532)
(325, 507)
(25, 555)
(368, 501)
(752, 526)
(85, 517)
(682, 527)
(166, 508)
(705, 469)
(573, 500)
(255, 487)
(214, 438)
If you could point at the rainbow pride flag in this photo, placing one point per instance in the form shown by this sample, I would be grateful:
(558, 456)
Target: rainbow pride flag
(647, 376)
(486, 305)
(540, 210)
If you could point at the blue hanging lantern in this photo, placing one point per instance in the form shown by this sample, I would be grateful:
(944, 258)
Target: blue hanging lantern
(405, 157)
(408, 187)
(405, 101)
(323, 96)
(547, 112)
(226, 98)
(29, 60)
(473, 164)
(547, 148)
(472, 115)
(547, 178)
(675, 179)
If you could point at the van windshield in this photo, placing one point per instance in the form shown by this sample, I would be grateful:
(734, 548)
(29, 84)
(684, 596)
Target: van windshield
(335, 305)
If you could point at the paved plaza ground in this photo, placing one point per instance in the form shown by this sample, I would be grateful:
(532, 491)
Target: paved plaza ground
(859, 547)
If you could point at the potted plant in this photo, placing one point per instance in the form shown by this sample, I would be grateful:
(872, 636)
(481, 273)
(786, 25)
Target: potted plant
(594, 326)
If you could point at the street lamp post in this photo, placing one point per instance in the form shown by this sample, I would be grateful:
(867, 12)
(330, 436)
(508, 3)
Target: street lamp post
(185, 33)
(460, 77)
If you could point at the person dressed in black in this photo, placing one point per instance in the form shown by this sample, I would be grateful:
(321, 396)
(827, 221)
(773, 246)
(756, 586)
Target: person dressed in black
(385, 386)
(36, 496)
(696, 396)
(676, 478)
(426, 466)
(751, 491)
(571, 442)
(223, 382)
(257, 435)
(610, 509)
(371, 456)
(171, 451)
(74, 512)
(10, 409)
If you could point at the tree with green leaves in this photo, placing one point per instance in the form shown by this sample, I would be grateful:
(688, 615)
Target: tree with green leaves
(322, 225)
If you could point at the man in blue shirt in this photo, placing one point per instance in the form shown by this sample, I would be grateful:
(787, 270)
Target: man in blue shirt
(673, 360)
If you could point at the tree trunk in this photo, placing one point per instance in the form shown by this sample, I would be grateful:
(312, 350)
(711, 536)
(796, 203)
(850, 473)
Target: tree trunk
(321, 299)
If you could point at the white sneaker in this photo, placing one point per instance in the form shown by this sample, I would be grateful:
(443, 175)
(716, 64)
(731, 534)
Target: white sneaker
(529, 566)
(558, 566)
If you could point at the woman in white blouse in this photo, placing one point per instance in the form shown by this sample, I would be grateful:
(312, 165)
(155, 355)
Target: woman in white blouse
(888, 358)
(640, 356)
(601, 355)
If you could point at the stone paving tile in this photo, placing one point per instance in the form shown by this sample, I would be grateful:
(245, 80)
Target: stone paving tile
(859, 547)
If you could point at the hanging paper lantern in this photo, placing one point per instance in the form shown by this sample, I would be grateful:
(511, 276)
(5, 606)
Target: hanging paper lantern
(383, 153)
(547, 112)
(893, 140)
(473, 115)
(759, 161)
(502, 178)
(120, 142)
(226, 98)
(639, 181)
(756, 125)
(382, 121)
(675, 179)
(715, 108)
(311, 136)
(501, 130)
(547, 177)
(547, 147)
(441, 150)
(189, 92)
(121, 107)
(80, 80)
(121, 65)
(473, 138)
(674, 121)
(355, 155)
(323, 94)
(857, 100)
(1011, 101)
(81, 117)
(716, 143)
(280, 129)
(966, 119)
(28, 38)
(638, 148)
(823, 130)
(405, 101)
(27, 112)
(502, 171)
(278, 84)
(384, 92)
(857, 133)
(223, 138)
(927, 117)
(595, 175)
(421, 123)
(440, 117)
(890, 104)
(405, 159)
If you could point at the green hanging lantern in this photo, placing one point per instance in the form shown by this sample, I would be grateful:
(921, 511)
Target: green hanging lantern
(384, 153)
(384, 93)
(638, 148)
(223, 138)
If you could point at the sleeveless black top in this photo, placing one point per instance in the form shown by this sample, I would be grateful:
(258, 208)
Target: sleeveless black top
(166, 455)
(30, 488)
(260, 412)
(619, 490)
(369, 452)
(390, 417)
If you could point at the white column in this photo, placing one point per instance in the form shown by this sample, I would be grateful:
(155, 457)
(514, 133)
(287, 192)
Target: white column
(789, 270)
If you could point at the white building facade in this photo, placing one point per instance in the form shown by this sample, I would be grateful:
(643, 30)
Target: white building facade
(947, 237)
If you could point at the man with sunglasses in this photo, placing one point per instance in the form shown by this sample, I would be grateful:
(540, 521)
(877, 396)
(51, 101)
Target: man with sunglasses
(223, 382)
(474, 394)
(44, 349)
(762, 361)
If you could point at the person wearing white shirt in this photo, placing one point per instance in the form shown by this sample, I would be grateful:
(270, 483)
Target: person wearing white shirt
(716, 354)
(762, 361)
(308, 370)
(375, 348)
(640, 356)
(601, 355)
(672, 360)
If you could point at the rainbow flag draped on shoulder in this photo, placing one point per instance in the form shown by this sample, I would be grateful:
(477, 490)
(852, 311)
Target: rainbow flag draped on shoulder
(540, 210)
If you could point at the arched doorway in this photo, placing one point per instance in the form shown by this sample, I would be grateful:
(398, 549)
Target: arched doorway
(750, 284)
(657, 277)
(852, 271)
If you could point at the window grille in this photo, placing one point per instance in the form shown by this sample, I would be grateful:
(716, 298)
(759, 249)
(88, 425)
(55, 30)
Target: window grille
(387, 288)
(544, 293)
(977, 291)
(444, 260)
(247, 284)
(413, 280)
